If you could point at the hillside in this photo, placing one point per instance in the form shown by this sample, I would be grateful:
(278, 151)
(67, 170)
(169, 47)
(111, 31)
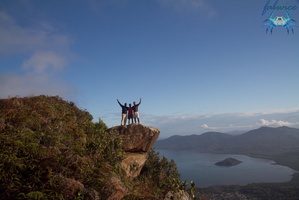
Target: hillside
(280, 144)
(50, 149)
(209, 140)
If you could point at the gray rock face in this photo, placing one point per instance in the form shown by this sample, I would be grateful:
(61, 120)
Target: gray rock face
(137, 140)
(133, 163)
(136, 137)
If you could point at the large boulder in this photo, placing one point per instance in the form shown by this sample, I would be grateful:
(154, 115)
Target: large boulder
(136, 137)
(133, 163)
(113, 190)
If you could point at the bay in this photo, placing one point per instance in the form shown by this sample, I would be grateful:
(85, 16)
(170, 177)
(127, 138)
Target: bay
(201, 168)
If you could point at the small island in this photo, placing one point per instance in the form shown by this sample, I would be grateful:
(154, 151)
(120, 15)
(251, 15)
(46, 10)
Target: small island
(228, 162)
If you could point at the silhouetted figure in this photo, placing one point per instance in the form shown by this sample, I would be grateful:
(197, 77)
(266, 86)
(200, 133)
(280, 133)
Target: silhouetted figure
(135, 111)
(124, 113)
(130, 114)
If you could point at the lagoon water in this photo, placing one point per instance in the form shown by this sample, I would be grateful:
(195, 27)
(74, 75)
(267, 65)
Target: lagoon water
(201, 168)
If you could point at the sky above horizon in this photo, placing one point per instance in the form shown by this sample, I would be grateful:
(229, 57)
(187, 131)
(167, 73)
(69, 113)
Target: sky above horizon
(198, 65)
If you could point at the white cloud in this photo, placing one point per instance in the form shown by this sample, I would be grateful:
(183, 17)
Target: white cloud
(16, 85)
(43, 61)
(205, 126)
(263, 112)
(263, 122)
(184, 124)
(280, 111)
(225, 128)
(47, 53)
(17, 39)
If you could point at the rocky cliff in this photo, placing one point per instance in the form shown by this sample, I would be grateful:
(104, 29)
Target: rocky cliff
(136, 137)
(137, 140)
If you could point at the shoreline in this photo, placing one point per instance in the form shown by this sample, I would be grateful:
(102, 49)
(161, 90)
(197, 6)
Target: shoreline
(288, 161)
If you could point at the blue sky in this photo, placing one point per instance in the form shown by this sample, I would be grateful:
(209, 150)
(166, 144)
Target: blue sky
(198, 65)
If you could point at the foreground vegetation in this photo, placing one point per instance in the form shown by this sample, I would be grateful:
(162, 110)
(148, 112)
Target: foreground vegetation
(50, 149)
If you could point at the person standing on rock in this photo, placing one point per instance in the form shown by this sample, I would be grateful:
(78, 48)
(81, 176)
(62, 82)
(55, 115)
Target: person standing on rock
(130, 114)
(124, 113)
(135, 111)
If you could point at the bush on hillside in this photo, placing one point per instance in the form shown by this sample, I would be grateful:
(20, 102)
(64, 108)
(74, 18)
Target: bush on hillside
(156, 178)
(47, 142)
(50, 149)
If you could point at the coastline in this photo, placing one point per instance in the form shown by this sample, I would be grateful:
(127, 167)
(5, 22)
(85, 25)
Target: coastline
(285, 160)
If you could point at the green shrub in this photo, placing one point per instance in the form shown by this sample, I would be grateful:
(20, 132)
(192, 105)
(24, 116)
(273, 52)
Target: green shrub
(158, 174)
(46, 141)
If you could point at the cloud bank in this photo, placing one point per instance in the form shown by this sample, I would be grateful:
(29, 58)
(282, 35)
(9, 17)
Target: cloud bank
(275, 123)
(226, 122)
(45, 53)
(43, 61)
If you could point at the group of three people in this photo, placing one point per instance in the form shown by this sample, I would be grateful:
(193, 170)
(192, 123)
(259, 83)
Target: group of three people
(131, 112)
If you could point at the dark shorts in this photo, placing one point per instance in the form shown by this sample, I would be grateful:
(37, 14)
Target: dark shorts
(130, 117)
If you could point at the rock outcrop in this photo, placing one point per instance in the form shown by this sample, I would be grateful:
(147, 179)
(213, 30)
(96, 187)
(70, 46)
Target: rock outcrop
(114, 189)
(133, 163)
(137, 140)
(136, 137)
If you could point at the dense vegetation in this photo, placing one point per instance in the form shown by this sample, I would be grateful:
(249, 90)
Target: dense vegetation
(50, 149)
(158, 173)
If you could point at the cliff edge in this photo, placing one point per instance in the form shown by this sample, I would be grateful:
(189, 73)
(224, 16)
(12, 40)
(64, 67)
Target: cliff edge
(136, 140)
(136, 137)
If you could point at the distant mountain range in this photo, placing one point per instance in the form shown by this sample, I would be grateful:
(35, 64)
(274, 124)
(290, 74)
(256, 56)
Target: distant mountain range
(263, 142)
